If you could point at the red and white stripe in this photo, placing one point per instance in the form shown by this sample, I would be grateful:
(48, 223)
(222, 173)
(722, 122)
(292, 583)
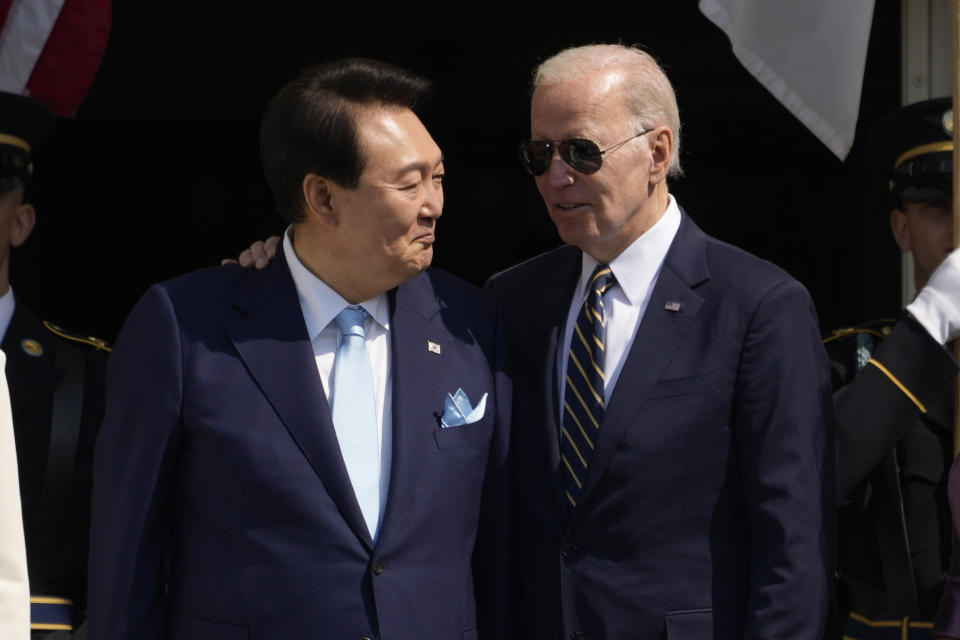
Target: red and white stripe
(51, 49)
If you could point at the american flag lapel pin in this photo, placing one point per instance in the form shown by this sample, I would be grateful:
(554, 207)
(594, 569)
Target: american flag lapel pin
(433, 347)
(672, 306)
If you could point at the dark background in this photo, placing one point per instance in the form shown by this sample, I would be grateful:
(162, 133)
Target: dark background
(160, 173)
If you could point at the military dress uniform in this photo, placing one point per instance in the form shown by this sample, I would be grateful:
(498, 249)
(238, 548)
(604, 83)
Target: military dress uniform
(56, 382)
(893, 415)
(893, 409)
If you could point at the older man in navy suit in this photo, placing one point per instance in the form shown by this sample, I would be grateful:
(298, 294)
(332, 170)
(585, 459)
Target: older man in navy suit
(318, 449)
(672, 398)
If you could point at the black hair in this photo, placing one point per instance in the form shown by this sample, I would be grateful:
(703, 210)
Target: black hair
(310, 125)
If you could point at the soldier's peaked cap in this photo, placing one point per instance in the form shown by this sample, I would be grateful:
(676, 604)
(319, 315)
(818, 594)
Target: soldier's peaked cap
(914, 145)
(24, 123)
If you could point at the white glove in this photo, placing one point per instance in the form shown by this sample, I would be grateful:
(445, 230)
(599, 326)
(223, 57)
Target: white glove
(937, 306)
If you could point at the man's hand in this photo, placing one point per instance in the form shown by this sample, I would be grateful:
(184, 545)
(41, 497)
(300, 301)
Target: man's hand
(937, 306)
(258, 255)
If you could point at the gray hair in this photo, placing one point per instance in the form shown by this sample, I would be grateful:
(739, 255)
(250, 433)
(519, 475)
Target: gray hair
(650, 95)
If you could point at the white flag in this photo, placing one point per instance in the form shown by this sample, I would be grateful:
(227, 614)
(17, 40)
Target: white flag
(810, 55)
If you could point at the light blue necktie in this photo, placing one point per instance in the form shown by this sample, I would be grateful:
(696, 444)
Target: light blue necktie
(355, 414)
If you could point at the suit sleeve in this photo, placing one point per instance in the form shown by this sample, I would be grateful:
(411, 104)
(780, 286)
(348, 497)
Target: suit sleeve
(133, 463)
(874, 412)
(493, 562)
(782, 420)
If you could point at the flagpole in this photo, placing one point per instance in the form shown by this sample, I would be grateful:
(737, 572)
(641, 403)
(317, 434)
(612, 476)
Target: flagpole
(956, 201)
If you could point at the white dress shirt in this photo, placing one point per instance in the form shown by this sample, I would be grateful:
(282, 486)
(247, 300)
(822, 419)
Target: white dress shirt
(14, 588)
(320, 305)
(636, 270)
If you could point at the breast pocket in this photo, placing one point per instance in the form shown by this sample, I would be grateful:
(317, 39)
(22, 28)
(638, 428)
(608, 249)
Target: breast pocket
(184, 625)
(684, 386)
(697, 624)
(467, 435)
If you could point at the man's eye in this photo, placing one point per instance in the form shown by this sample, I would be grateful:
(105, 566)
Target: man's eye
(439, 177)
(410, 187)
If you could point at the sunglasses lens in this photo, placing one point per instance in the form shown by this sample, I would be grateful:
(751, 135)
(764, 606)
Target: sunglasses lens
(582, 155)
(535, 156)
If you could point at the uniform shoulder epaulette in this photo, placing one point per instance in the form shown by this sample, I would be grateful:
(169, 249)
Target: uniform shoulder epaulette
(879, 328)
(90, 341)
(851, 348)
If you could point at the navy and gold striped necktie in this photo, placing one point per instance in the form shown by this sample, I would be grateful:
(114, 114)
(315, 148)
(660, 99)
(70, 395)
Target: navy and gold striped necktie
(583, 404)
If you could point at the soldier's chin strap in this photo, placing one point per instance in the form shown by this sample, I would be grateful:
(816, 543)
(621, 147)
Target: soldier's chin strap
(64, 437)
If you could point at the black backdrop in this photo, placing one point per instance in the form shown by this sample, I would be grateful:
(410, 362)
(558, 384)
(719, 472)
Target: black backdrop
(159, 174)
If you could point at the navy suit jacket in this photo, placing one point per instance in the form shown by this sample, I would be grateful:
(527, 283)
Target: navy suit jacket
(222, 507)
(708, 509)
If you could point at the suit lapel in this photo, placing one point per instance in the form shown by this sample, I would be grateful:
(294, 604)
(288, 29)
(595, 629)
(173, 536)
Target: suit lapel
(272, 340)
(418, 387)
(545, 337)
(659, 335)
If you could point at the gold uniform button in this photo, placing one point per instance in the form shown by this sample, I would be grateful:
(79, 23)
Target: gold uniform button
(31, 347)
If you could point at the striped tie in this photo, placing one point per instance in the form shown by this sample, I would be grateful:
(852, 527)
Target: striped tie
(583, 403)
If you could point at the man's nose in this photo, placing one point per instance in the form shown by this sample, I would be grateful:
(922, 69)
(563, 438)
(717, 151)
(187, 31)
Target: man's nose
(432, 206)
(559, 173)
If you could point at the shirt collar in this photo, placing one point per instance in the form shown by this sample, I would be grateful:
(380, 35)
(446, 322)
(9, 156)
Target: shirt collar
(321, 304)
(637, 265)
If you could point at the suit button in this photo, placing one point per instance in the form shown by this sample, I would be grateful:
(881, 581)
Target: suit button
(569, 551)
(377, 568)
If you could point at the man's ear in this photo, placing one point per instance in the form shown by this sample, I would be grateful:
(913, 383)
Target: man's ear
(661, 151)
(23, 222)
(900, 229)
(318, 194)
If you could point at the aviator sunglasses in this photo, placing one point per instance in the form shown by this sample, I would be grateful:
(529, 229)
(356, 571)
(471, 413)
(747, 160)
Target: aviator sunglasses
(581, 154)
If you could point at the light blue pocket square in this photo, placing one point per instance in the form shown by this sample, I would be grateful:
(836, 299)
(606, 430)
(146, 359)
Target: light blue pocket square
(458, 412)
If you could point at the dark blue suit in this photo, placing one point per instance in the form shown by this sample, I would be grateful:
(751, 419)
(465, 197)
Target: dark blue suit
(222, 507)
(707, 510)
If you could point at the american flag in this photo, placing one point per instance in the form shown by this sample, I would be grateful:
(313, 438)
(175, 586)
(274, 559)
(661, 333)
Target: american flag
(50, 50)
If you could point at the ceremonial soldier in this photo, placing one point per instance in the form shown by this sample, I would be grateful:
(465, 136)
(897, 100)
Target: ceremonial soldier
(56, 395)
(893, 402)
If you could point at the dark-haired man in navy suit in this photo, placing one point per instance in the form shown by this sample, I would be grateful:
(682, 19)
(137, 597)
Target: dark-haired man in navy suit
(672, 398)
(318, 449)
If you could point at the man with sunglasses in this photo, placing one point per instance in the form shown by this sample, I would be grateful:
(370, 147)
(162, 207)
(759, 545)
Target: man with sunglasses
(672, 407)
(674, 461)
